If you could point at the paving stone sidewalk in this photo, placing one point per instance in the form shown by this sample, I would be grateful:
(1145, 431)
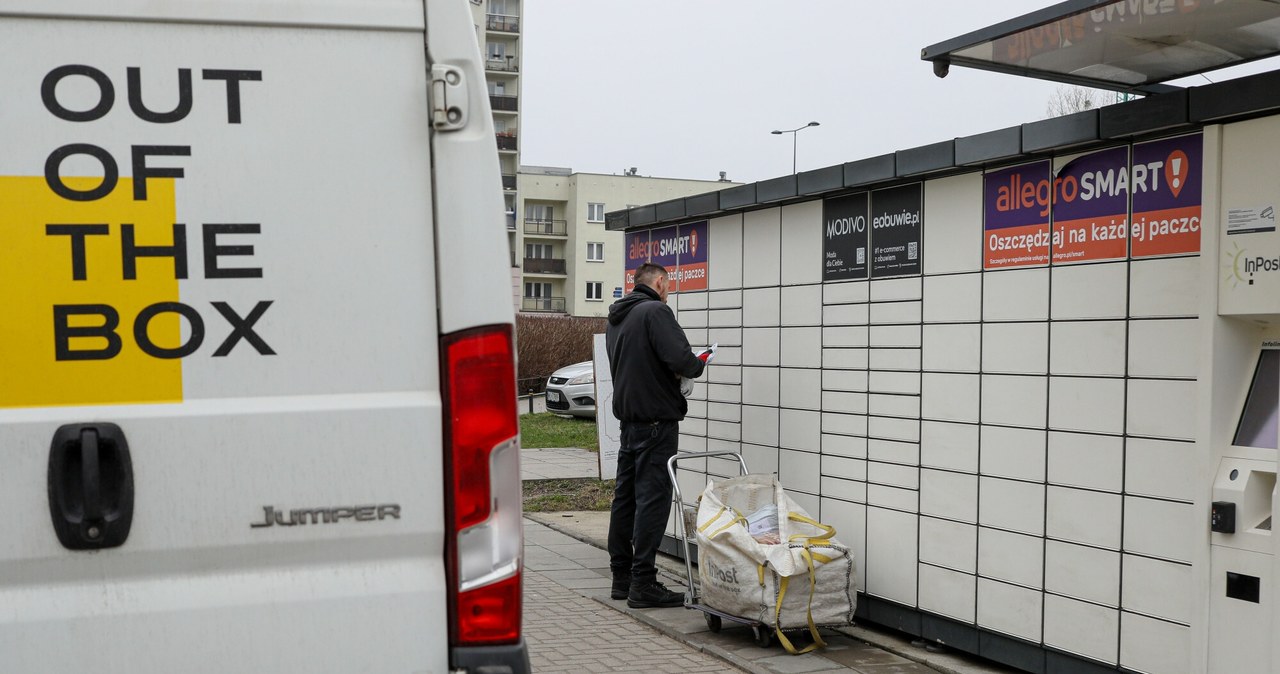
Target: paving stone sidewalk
(573, 626)
(557, 463)
(571, 633)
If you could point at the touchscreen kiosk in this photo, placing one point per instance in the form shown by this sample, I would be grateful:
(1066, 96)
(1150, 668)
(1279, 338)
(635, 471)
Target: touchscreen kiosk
(1242, 553)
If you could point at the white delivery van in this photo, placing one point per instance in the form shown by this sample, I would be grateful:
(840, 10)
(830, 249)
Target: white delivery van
(257, 407)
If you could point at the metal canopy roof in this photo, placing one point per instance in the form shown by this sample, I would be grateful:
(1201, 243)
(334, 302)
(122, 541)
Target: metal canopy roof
(1124, 45)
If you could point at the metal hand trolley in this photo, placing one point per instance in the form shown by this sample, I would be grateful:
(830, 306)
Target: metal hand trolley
(763, 634)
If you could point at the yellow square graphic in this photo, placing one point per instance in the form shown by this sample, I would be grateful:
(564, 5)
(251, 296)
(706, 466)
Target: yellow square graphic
(37, 274)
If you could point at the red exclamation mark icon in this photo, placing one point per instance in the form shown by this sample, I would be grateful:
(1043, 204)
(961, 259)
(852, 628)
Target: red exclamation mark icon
(1176, 168)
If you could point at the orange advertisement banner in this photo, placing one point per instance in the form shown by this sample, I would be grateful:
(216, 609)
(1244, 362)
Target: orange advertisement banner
(1090, 239)
(1017, 246)
(1166, 232)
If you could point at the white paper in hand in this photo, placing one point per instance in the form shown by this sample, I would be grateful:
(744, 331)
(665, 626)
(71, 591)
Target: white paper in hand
(706, 355)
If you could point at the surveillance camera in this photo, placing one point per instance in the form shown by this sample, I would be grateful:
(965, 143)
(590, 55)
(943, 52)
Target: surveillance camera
(941, 68)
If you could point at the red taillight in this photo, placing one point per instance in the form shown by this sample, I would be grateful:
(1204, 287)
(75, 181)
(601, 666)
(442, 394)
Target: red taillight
(481, 389)
(485, 613)
(483, 502)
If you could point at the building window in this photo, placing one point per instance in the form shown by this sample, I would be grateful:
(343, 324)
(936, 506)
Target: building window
(595, 212)
(594, 291)
(538, 251)
(539, 212)
(595, 252)
(537, 290)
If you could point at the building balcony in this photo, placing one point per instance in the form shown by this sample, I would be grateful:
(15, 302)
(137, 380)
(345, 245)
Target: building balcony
(502, 23)
(503, 65)
(509, 184)
(506, 141)
(503, 102)
(546, 227)
(541, 304)
(544, 265)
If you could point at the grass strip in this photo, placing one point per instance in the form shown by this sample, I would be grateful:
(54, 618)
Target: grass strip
(584, 493)
(540, 431)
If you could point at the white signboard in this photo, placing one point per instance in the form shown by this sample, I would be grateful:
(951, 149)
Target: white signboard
(608, 430)
(1251, 220)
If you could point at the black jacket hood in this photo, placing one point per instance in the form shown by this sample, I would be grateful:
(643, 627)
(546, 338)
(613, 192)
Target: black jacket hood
(619, 310)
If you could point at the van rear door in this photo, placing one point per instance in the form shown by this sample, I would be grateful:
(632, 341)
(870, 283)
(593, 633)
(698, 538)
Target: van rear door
(216, 236)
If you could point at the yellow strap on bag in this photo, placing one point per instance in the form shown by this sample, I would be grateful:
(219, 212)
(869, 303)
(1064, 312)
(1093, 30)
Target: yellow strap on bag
(719, 512)
(829, 532)
(737, 517)
(777, 611)
(813, 584)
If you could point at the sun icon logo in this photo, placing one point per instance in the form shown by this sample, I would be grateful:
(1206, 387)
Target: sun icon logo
(1231, 272)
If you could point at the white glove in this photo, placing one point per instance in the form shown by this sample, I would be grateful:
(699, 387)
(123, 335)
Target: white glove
(686, 386)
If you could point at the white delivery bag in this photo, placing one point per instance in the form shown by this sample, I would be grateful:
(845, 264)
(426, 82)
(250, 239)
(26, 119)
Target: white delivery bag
(791, 574)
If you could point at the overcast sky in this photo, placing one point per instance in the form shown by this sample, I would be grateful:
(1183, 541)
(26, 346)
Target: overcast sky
(689, 88)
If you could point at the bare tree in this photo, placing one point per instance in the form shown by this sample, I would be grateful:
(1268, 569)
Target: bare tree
(1067, 100)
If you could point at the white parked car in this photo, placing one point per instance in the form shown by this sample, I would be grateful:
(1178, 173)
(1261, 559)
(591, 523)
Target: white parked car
(572, 390)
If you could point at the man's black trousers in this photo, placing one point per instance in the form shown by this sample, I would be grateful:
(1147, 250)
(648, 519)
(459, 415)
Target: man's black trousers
(642, 498)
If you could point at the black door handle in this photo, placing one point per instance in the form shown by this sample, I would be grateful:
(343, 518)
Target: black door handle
(90, 486)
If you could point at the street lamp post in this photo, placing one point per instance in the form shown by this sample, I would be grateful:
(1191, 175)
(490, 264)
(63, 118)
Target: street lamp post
(793, 140)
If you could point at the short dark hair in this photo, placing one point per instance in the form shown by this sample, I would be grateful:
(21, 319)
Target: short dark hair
(648, 273)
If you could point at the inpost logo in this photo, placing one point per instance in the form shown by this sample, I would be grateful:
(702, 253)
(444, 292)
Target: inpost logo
(1239, 268)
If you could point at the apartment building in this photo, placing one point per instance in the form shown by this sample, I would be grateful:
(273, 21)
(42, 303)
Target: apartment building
(570, 264)
(498, 25)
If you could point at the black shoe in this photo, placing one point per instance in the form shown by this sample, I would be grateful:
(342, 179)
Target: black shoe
(653, 595)
(621, 587)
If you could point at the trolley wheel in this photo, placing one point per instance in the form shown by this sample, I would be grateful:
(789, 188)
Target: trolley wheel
(764, 638)
(713, 621)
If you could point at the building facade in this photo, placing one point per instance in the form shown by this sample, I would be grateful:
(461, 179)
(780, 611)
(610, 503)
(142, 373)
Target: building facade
(569, 263)
(498, 30)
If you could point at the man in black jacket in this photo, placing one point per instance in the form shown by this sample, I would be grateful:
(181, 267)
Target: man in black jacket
(648, 353)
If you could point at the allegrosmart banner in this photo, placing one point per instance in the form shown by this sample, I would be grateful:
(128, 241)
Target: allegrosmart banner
(662, 249)
(1016, 204)
(637, 246)
(895, 231)
(691, 257)
(682, 250)
(1166, 187)
(1091, 207)
(844, 237)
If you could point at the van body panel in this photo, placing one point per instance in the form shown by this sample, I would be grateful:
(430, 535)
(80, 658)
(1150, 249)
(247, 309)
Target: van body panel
(475, 281)
(304, 393)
